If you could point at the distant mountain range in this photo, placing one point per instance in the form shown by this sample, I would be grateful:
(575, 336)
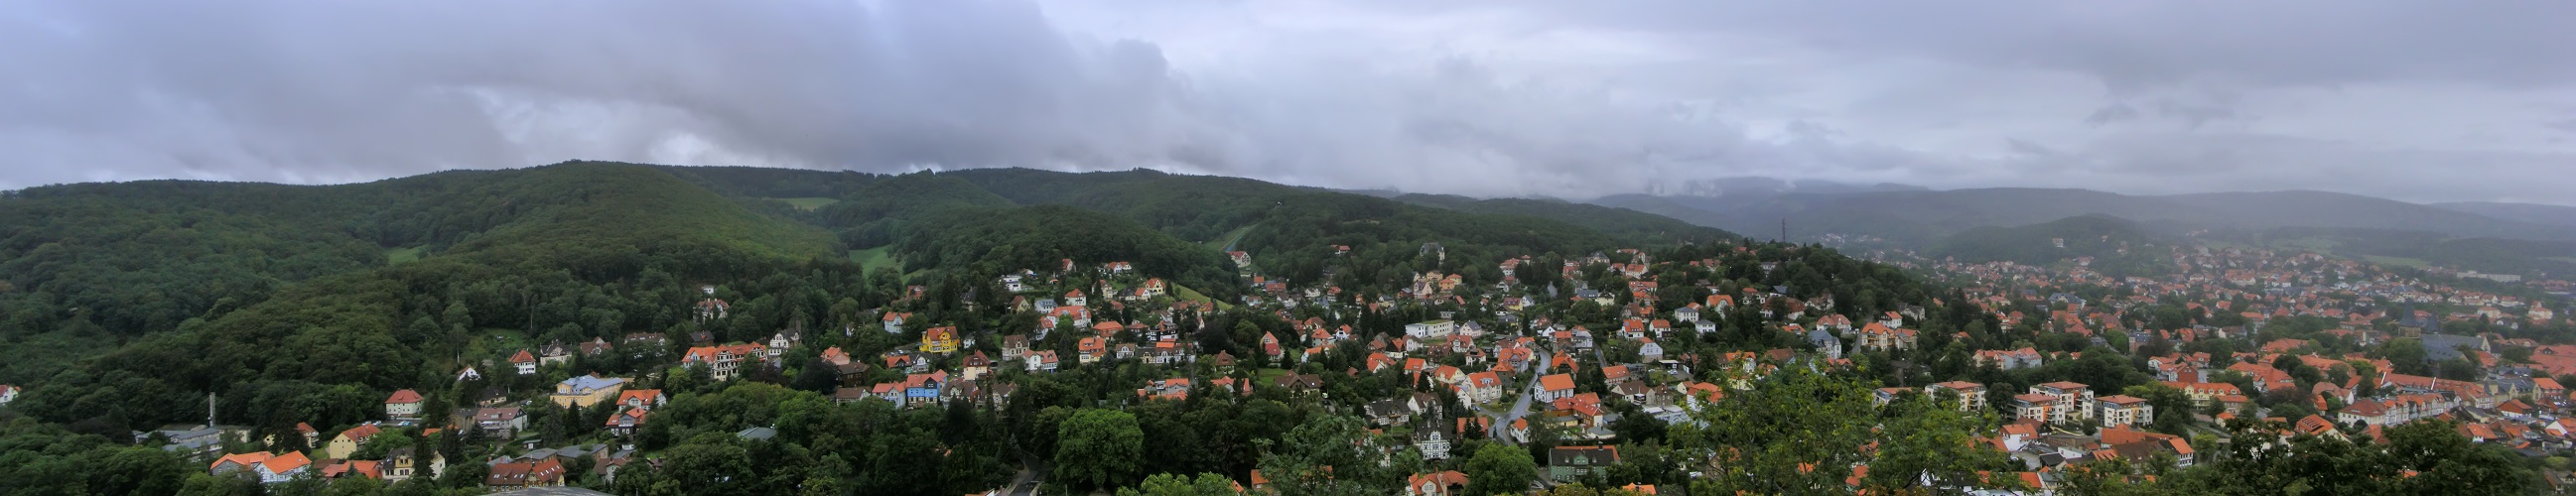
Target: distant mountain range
(1917, 216)
(2489, 236)
(2524, 212)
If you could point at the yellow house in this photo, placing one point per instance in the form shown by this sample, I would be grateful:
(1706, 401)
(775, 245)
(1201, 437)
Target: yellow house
(587, 390)
(348, 441)
(939, 340)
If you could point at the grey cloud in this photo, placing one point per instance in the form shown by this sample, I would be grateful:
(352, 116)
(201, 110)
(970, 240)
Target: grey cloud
(2195, 114)
(289, 91)
(374, 89)
(2567, 125)
(2139, 44)
(2112, 113)
(2028, 148)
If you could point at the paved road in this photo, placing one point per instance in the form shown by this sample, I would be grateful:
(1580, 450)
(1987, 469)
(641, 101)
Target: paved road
(1503, 423)
(1032, 474)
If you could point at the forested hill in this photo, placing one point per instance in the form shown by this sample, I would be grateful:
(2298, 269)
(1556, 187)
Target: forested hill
(86, 267)
(197, 281)
(2111, 244)
(1292, 230)
(1622, 222)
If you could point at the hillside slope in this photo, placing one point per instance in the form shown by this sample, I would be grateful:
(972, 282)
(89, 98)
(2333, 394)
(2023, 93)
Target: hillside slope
(2519, 212)
(1921, 217)
(1615, 221)
(2111, 244)
(104, 264)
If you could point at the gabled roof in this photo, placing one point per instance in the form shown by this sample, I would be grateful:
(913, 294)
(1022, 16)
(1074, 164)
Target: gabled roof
(289, 462)
(361, 433)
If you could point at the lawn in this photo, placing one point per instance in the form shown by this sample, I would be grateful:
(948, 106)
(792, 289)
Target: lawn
(1184, 292)
(497, 342)
(874, 257)
(2311, 243)
(1268, 375)
(399, 256)
(808, 204)
(1229, 238)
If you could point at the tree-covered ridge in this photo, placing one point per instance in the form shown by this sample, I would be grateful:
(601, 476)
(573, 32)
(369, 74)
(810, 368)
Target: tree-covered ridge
(1625, 223)
(988, 242)
(576, 210)
(876, 214)
(2112, 245)
(89, 265)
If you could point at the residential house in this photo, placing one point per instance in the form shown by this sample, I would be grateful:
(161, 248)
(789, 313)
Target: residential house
(976, 365)
(629, 419)
(939, 340)
(1825, 342)
(587, 390)
(1433, 441)
(595, 347)
(924, 389)
(503, 421)
(1552, 387)
(349, 441)
(1175, 389)
(1015, 346)
(526, 362)
(1972, 396)
(2068, 401)
(892, 322)
(1040, 361)
(1092, 349)
(1431, 329)
(2008, 359)
(2121, 410)
(405, 404)
(402, 464)
(1480, 388)
(725, 362)
(642, 399)
(554, 353)
(1877, 336)
(1445, 483)
(541, 473)
(1571, 463)
(1613, 375)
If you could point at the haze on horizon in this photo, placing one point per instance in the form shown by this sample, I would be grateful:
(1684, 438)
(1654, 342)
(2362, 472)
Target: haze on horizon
(2405, 100)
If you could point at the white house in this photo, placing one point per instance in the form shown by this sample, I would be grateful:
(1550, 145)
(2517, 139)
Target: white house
(1431, 330)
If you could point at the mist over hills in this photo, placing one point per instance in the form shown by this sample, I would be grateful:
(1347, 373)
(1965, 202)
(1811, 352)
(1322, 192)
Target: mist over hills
(1919, 216)
(2005, 223)
(2524, 212)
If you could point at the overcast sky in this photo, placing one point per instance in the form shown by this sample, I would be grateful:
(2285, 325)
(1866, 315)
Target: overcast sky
(2419, 101)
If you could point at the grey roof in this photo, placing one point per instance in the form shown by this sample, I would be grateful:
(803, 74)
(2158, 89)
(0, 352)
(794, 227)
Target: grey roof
(1565, 457)
(2444, 346)
(757, 433)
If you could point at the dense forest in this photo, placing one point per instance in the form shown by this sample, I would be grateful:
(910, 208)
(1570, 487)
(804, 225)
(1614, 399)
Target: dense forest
(2112, 245)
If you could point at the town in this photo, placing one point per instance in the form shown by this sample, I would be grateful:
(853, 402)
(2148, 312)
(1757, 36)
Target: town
(1585, 362)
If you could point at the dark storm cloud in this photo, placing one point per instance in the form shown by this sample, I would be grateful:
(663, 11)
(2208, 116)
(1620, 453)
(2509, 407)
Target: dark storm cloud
(324, 90)
(1500, 98)
(2132, 44)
